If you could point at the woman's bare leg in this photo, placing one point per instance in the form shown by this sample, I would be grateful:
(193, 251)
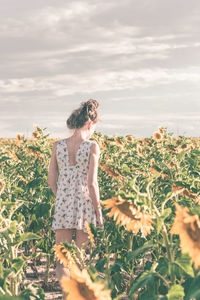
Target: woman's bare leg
(62, 235)
(82, 239)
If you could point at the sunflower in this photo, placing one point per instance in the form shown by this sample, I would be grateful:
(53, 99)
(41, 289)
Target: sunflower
(34, 152)
(129, 138)
(118, 141)
(80, 286)
(141, 172)
(13, 155)
(63, 255)
(112, 172)
(91, 236)
(154, 170)
(164, 175)
(157, 136)
(172, 164)
(184, 146)
(103, 145)
(172, 148)
(190, 194)
(126, 213)
(139, 150)
(148, 141)
(152, 161)
(19, 138)
(185, 192)
(197, 199)
(160, 129)
(132, 167)
(176, 188)
(22, 178)
(188, 228)
(36, 133)
(2, 186)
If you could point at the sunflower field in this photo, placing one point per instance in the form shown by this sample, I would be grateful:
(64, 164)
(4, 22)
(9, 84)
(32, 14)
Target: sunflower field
(149, 245)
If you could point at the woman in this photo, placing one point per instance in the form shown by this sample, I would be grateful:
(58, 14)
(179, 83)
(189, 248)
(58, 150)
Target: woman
(74, 161)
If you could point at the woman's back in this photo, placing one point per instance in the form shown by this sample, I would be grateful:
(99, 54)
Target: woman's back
(68, 158)
(73, 203)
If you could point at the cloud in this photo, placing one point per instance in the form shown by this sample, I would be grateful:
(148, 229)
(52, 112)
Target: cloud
(147, 118)
(53, 18)
(111, 126)
(143, 55)
(69, 84)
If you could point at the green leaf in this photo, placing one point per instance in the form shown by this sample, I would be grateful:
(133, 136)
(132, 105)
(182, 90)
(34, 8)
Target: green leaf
(133, 254)
(4, 158)
(32, 147)
(13, 227)
(184, 263)
(194, 290)
(1, 269)
(4, 297)
(17, 263)
(95, 251)
(115, 268)
(100, 264)
(26, 236)
(117, 278)
(125, 168)
(176, 292)
(32, 291)
(163, 266)
(180, 155)
(145, 279)
(33, 183)
(42, 210)
(162, 218)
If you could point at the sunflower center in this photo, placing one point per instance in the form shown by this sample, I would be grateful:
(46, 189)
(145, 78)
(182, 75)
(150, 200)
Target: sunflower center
(194, 234)
(86, 292)
(124, 208)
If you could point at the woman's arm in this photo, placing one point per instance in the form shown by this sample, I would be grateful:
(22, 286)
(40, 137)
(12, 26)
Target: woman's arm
(92, 176)
(53, 170)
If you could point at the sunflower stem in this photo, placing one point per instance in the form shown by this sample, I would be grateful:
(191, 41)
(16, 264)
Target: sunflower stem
(107, 257)
(149, 196)
(167, 245)
(130, 241)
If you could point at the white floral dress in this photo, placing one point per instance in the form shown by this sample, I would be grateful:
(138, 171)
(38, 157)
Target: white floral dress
(73, 204)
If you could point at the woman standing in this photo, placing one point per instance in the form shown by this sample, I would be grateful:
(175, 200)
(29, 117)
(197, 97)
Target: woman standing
(72, 176)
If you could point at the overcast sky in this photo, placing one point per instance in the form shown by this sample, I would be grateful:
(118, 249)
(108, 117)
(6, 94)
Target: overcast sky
(139, 58)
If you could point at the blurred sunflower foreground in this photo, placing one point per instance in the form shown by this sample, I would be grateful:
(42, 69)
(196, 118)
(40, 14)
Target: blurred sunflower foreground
(126, 213)
(187, 226)
(90, 234)
(79, 286)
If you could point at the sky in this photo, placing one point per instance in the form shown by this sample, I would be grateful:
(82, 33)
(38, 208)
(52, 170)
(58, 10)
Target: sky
(140, 59)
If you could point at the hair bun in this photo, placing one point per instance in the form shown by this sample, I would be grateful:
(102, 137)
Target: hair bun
(87, 111)
(91, 105)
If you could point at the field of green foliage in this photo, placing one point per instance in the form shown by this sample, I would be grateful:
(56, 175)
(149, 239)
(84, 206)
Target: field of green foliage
(149, 246)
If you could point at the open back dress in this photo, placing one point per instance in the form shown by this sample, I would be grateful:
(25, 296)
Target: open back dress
(73, 203)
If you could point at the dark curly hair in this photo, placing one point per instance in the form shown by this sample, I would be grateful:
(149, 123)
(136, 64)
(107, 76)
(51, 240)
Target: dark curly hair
(87, 111)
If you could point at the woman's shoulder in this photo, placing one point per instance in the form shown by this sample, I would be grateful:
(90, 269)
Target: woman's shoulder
(57, 142)
(93, 142)
(95, 146)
